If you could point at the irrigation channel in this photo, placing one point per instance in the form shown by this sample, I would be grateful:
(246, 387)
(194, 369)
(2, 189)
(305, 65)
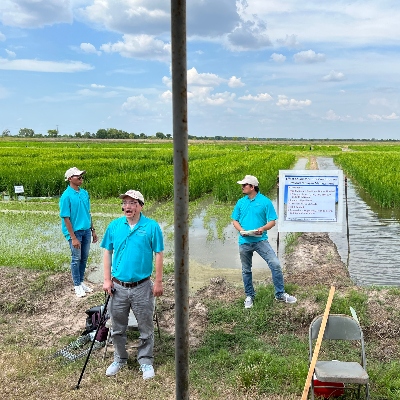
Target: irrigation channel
(374, 237)
(374, 242)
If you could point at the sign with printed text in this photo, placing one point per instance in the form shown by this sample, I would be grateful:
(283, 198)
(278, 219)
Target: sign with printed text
(310, 201)
(19, 189)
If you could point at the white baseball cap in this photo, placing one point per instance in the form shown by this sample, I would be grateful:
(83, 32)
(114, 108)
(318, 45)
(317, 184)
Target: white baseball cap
(134, 194)
(73, 172)
(250, 179)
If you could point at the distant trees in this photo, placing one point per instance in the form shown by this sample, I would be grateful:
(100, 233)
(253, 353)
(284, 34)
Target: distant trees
(6, 133)
(52, 133)
(160, 135)
(26, 132)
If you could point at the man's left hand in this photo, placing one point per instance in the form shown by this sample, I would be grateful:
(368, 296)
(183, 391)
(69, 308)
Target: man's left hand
(157, 289)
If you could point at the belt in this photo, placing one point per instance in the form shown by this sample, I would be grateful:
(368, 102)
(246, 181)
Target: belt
(129, 284)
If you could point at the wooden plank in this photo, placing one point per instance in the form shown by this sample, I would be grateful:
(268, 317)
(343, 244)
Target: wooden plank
(318, 344)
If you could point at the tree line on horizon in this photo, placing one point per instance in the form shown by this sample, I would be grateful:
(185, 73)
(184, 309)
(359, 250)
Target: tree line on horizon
(113, 133)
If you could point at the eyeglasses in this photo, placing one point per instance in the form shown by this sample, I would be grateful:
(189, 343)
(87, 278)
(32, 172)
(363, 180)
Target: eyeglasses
(80, 177)
(245, 184)
(129, 203)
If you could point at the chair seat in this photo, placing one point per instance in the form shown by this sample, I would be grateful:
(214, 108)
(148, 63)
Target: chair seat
(340, 371)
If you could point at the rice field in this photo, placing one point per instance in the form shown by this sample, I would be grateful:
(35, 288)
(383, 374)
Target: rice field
(30, 234)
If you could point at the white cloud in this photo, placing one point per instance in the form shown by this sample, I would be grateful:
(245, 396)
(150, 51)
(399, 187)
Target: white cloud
(332, 116)
(140, 46)
(43, 66)
(129, 16)
(136, 103)
(376, 117)
(206, 18)
(290, 42)
(2, 37)
(259, 97)
(279, 58)
(95, 93)
(292, 104)
(219, 99)
(334, 76)
(167, 81)
(89, 48)
(309, 57)
(380, 102)
(166, 96)
(96, 86)
(202, 79)
(248, 35)
(10, 53)
(35, 13)
(235, 82)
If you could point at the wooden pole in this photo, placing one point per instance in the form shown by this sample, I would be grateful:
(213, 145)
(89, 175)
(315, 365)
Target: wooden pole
(318, 344)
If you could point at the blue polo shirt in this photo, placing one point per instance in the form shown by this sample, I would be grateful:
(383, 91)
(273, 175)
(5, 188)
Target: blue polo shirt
(252, 214)
(75, 204)
(133, 249)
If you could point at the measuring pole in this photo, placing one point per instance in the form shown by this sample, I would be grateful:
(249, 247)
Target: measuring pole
(181, 196)
(318, 343)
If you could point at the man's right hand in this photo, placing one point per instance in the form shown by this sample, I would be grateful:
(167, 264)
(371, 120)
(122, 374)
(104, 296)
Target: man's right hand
(76, 243)
(108, 286)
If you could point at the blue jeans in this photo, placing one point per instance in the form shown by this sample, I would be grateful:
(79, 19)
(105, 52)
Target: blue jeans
(264, 249)
(80, 256)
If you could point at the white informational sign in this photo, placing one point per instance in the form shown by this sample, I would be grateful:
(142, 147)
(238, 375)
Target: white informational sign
(19, 189)
(310, 201)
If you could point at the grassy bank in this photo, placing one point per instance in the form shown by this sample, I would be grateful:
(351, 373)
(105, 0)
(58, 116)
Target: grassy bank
(261, 353)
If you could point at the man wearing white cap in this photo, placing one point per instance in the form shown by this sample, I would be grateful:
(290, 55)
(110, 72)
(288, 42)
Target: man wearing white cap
(77, 227)
(131, 242)
(253, 215)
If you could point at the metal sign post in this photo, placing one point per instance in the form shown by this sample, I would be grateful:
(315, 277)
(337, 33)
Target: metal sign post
(181, 196)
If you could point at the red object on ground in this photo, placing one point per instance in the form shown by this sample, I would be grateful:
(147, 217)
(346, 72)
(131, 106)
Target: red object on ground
(328, 393)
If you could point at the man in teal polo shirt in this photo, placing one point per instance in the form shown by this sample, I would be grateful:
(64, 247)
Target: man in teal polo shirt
(77, 227)
(131, 242)
(253, 215)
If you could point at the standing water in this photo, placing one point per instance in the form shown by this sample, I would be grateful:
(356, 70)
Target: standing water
(374, 237)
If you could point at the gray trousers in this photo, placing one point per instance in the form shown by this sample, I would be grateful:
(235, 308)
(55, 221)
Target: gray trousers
(141, 300)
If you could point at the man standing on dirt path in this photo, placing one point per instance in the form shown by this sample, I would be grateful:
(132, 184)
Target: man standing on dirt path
(253, 215)
(77, 227)
(130, 243)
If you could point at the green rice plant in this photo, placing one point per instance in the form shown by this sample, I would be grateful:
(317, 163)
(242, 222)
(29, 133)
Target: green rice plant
(376, 172)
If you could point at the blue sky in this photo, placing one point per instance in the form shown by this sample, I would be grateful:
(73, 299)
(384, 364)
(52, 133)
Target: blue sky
(256, 68)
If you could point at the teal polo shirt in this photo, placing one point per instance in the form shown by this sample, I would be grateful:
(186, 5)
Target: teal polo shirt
(133, 249)
(75, 204)
(252, 214)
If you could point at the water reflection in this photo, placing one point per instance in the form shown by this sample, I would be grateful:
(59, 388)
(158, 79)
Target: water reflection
(374, 237)
(218, 254)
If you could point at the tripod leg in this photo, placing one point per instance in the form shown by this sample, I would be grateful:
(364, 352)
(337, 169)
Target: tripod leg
(93, 341)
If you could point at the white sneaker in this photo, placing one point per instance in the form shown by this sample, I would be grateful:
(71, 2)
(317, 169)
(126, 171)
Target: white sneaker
(148, 371)
(86, 289)
(286, 298)
(248, 303)
(79, 291)
(114, 368)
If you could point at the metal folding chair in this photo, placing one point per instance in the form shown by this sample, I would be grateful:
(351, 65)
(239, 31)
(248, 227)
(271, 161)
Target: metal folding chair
(335, 376)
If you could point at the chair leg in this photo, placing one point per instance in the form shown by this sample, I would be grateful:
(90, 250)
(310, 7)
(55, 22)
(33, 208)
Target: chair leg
(156, 321)
(367, 391)
(105, 347)
(312, 389)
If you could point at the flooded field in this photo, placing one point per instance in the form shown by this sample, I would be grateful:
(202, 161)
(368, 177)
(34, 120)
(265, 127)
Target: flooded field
(374, 237)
